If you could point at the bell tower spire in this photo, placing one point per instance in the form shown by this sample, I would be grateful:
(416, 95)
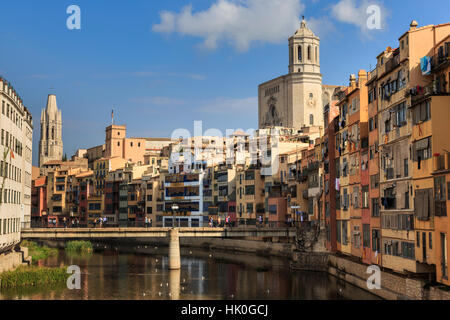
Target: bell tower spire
(304, 49)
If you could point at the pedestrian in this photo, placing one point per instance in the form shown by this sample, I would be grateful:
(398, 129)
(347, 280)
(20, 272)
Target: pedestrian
(94, 222)
(260, 221)
(73, 223)
(218, 221)
(146, 222)
(64, 222)
(151, 222)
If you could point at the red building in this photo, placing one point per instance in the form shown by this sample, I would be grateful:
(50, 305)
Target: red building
(39, 210)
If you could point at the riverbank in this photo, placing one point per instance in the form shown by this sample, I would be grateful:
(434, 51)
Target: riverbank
(18, 268)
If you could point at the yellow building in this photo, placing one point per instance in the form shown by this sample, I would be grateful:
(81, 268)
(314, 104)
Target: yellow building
(249, 194)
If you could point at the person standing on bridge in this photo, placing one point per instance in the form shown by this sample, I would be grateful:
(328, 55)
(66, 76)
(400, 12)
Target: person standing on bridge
(151, 222)
(146, 222)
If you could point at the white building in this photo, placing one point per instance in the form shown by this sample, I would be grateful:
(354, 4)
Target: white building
(15, 166)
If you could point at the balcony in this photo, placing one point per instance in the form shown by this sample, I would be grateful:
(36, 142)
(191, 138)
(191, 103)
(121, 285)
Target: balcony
(442, 58)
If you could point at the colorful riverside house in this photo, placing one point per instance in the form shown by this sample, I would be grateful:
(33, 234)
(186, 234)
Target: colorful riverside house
(275, 195)
(85, 182)
(331, 120)
(373, 253)
(221, 186)
(342, 175)
(430, 151)
(401, 80)
(249, 193)
(39, 203)
(183, 194)
(353, 165)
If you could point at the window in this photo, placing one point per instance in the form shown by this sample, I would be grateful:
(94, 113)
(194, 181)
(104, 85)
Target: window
(375, 207)
(299, 53)
(422, 203)
(338, 231)
(249, 190)
(422, 112)
(387, 126)
(400, 115)
(389, 199)
(272, 209)
(371, 124)
(374, 181)
(430, 240)
(249, 207)
(376, 246)
(311, 119)
(344, 232)
(356, 237)
(366, 235)
(440, 207)
(422, 150)
(309, 53)
(405, 167)
(365, 196)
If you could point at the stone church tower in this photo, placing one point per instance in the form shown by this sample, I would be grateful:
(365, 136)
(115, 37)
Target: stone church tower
(50, 144)
(296, 100)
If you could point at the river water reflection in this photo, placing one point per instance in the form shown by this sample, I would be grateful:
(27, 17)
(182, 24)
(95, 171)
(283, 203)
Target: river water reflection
(203, 275)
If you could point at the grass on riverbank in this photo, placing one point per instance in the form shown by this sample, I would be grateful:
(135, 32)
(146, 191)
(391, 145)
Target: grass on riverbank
(38, 252)
(79, 246)
(32, 276)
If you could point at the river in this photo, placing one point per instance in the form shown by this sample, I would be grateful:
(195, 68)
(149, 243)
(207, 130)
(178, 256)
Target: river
(204, 275)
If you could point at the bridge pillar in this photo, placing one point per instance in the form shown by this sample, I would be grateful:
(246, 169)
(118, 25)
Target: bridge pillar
(174, 250)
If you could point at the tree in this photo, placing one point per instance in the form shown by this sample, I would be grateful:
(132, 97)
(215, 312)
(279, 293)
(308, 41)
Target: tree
(64, 157)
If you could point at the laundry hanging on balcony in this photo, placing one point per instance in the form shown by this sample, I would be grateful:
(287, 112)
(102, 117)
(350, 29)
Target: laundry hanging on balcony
(425, 65)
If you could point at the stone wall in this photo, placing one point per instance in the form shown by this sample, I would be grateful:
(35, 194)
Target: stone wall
(393, 286)
(13, 259)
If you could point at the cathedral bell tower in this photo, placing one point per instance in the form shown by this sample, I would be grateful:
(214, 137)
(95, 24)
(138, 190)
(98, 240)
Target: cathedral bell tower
(304, 48)
(50, 144)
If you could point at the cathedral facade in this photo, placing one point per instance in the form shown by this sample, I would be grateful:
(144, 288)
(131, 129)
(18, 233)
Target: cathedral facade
(296, 100)
(50, 143)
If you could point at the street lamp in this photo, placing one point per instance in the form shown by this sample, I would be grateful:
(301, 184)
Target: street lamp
(174, 208)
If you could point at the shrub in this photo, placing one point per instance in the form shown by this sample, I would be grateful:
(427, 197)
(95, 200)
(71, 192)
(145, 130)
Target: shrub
(32, 276)
(79, 246)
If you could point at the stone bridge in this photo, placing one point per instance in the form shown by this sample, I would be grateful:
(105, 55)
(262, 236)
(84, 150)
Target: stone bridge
(173, 234)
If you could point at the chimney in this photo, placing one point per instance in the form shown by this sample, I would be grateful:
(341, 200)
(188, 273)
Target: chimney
(352, 81)
(413, 25)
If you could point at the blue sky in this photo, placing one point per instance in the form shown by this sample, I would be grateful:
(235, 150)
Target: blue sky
(161, 71)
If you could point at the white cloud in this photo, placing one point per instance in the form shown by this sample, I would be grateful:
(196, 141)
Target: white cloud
(347, 11)
(237, 22)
